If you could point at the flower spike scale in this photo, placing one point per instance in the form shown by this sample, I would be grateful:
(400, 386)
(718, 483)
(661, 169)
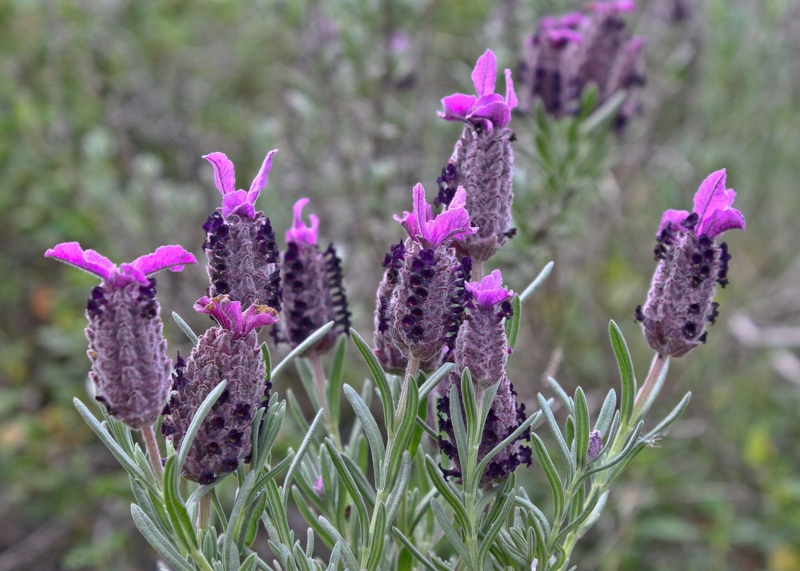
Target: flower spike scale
(130, 368)
(690, 265)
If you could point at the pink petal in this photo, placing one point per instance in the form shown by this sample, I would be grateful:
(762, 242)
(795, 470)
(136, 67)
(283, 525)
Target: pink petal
(485, 73)
(459, 199)
(222, 309)
(224, 175)
(89, 260)
(490, 290)
(171, 258)
(300, 233)
(237, 203)
(672, 219)
(712, 195)
(449, 225)
(497, 113)
(511, 96)
(257, 316)
(457, 106)
(722, 220)
(260, 182)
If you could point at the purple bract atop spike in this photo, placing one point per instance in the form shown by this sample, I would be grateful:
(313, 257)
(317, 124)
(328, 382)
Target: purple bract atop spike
(713, 205)
(423, 226)
(238, 201)
(172, 258)
(229, 314)
(489, 291)
(300, 233)
(488, 109)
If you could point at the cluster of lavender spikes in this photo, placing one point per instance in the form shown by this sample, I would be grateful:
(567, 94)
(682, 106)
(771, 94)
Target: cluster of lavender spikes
(568, 52)
(130, 368)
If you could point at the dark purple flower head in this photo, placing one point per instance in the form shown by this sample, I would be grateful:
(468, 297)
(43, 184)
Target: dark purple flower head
(595, 445)
(489, 291)
(229, 351)
(230, 316)
(690, 265)
(171, 258)
(130, 368)
(432, 231)
(314, 290)
(238, 201)
(240, 243)
(300, 233)
(488, 109)
(713, 207)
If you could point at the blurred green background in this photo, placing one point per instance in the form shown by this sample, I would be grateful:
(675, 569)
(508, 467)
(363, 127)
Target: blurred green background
(107, 106)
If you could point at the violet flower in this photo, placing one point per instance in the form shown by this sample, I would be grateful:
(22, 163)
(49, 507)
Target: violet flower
(482, 161)
(690, 265)
(314, 292)
(229, 351)
(130, 368)
(240, 243)
(488, 109)
(427, 301)
(482, 347)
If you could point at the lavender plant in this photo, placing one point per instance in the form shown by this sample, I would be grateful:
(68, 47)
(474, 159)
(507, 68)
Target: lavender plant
(431, 482)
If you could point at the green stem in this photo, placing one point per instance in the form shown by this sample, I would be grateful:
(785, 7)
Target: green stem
(650, 388)
(472, 481)
(477, 271)
(204, 512)
(153, 452)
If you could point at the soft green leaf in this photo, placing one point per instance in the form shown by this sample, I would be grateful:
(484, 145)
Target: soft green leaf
(250, 563)
(625, 372)
(550, 472)
(658, 431)
(437, 377)
(334, 384)
(157, 540)
(538, 281)
(380, 379)
(349, 482)
(450, 533)
(377, 539)
(563, 447)
(528, 422)
(507, 502)
(299, 456)
(371, 431)
(185, 328)
(197, 421)
(178, 515)
(413, 550)
(449, 494)
(512, 324)
(582, 428)
(606, 413)
(349, 557)
(300, 349)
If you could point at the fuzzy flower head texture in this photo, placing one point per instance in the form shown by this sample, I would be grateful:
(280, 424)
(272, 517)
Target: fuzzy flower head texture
(314, 292)
(486, 109)
(690, 265)
(229, 351)
(240, 243)
(127, 349)
(238, 201)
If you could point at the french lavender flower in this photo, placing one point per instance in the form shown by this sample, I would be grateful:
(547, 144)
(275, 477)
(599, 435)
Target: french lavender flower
(130, 368)
(690, 265)
(240, 243)
(427, 291)
(482, 161)
(566, 53)
(229, 351)
(313, 293)
(390, 357)
(482, 347)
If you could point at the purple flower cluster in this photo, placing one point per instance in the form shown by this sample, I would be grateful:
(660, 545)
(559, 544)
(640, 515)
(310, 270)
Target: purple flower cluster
(566, 53)
(130, 367)
(680, 302)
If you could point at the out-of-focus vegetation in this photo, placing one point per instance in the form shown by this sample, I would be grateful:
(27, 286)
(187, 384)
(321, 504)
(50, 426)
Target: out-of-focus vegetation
(108, 105)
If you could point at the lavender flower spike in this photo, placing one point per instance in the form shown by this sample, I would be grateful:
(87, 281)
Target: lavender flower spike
(488, 109)
(482, 347)
(228, 351)
(690, 265)
(427, 298)
(130, 368)
(314, 293)
(240, 243)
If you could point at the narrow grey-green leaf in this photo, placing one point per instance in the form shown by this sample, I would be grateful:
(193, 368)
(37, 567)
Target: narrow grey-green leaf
(444, 489)
(178, 516)
(450, 532)
(538, 281)
(436, 378)
(563, 447)
(550, 473)
(581, 428)
(157, 540)
(625, 364)
(349, 557)
(347, 479)
(606, 413)
(512, 324)
(531, 420)
(197, 420)
(334, 384)
(300, 349)
(299, 456)
(413, 550)
(380, 379)
(371, 431)
(658, 431)
(377, 539)
(185, 328)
